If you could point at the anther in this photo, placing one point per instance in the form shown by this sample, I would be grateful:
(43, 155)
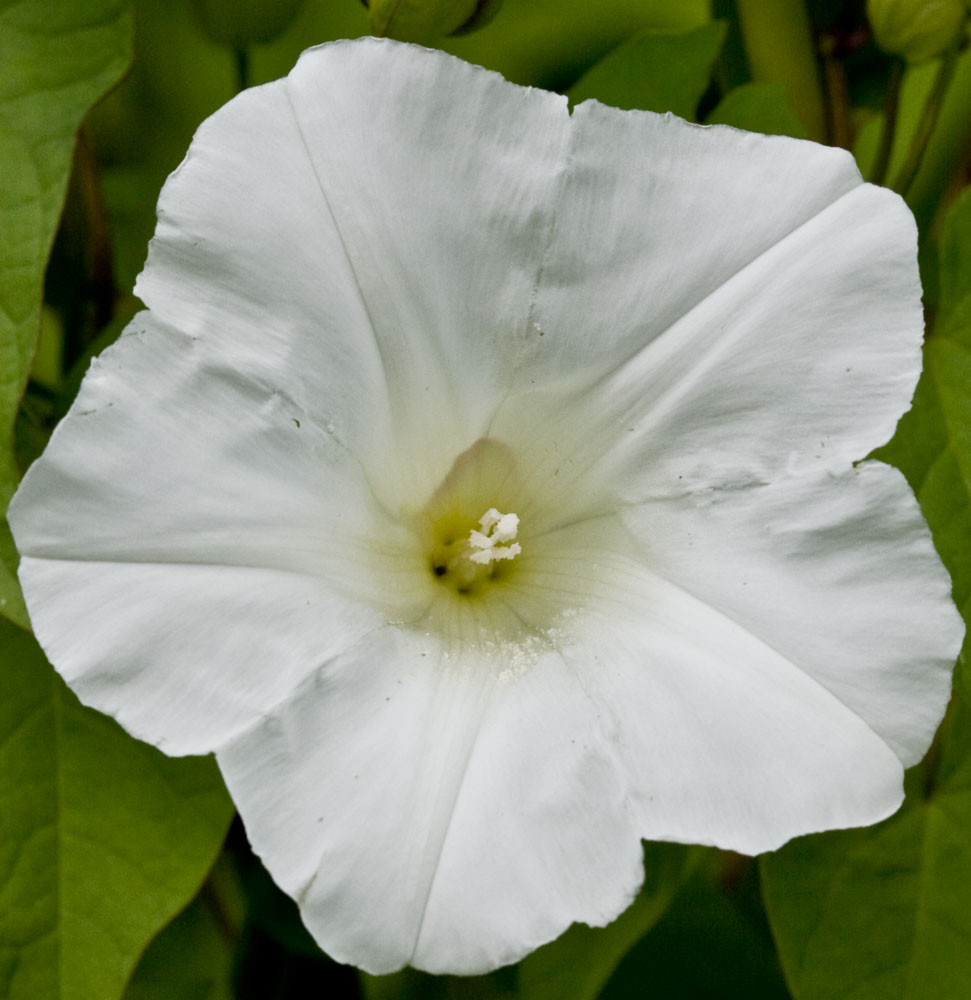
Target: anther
(487, 546)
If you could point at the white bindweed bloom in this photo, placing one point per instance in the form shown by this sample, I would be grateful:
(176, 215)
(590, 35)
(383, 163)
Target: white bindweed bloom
(480, 486)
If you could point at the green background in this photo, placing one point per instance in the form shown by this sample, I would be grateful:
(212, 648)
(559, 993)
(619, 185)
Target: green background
(122, 873)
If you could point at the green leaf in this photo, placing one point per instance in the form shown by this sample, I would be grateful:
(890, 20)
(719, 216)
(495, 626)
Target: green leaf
(655, 71)
(192, 959)
(882, 913)
(955, 270)
(916, 86)
(550, 43)
(56, 60)
(932, 446)
(102, 838)
(759, 107)
(577, 965)
(781, 46)
(946, 148)
(11, 599)
(712, 943)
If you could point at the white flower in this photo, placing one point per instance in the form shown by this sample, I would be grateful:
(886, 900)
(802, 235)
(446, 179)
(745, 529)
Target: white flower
(479, 486)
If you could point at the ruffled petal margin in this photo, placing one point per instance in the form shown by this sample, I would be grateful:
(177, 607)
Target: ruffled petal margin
(696, 311)
(428, 806)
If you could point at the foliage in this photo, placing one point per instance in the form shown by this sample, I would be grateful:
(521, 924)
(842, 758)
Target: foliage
(102, 839)
(882, 912)
(52, 69)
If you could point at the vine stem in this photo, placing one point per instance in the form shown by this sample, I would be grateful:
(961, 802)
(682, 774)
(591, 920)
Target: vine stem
(780, 48)
(891, 106)
(839, 129)
(241, 60)
(928, 119)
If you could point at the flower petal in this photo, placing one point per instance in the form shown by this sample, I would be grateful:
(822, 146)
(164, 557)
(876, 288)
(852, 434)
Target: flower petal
(436, 808)
(838, 575)
(247, 259)
(444, 207)
(179, 546)
(223, 545)
(724, 739)
(675, 312)
(325, 246)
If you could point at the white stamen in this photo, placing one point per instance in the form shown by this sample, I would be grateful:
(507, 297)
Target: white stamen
(489, 518)
(505, 530)
(496, 528)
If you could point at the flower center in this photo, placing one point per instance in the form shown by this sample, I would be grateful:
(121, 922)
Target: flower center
(483, 587)
(467, 551)
(465, 564)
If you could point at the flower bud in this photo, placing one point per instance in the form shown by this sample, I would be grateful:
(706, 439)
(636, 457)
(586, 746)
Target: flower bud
(916, 29)
(426, 20)
(240, 23)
